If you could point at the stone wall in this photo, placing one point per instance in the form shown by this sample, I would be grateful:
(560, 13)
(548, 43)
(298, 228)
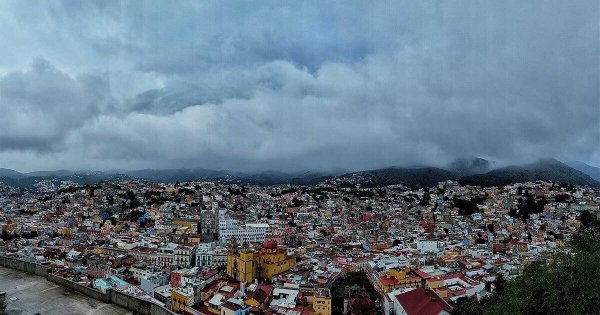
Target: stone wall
(132, 303)
(87, 291)
(159, 310)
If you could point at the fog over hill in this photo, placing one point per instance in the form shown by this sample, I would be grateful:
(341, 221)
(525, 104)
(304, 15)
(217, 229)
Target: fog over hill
(545, 169)
(473, 171)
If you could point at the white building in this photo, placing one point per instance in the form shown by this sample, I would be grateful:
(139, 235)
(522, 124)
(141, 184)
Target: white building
(426, 246)
(184, 255)
(204, 255)
(244, 233)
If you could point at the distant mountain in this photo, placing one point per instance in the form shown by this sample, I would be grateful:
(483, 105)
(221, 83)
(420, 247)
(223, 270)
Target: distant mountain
(545, 169)
(259, 178)
(470, 166)
(5, 172)
(178, 175)
(412, 177)
(30, 179)
(592, 171)
(57, 173)
(466, 171)
(278, 178)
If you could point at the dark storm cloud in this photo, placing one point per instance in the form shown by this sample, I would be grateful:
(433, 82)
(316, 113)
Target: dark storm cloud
(41, 104)
(255, 85)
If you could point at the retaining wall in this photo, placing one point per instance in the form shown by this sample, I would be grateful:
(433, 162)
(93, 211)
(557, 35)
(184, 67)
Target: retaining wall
(132, 303)
(87, 291)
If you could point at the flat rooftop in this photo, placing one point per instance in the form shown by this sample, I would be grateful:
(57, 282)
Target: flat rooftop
(30, 294)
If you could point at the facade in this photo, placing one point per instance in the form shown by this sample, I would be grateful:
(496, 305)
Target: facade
(247, 264)
(139, 272)
(322, 301)
(399, 278)
(166, 255)
(273, 260)
(204, 255)
(219, 258)
(189, 225)
(209, 255)
(150, 283)
(244, 233)
(209, 225)
(241, 265)
(182, 297)
(184, 255)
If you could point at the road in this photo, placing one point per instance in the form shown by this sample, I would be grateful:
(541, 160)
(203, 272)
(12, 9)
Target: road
(28, 294)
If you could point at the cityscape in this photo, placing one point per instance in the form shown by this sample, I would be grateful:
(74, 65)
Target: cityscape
(222, 248)
(299, 157)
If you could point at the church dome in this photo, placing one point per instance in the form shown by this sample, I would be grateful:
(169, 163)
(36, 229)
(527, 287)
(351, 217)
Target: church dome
(270, 244)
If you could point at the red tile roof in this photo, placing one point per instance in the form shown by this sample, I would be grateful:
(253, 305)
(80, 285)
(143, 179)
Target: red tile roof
(387, 280)
(419, 301)
(422, 274)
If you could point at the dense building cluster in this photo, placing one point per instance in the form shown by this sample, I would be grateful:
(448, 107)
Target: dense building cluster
(211, 248)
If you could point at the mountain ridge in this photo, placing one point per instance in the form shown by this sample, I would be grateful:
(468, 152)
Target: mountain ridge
(477, 172)
(592, 171)
(543, 169)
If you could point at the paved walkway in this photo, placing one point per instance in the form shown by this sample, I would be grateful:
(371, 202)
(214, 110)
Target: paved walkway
(29, 294)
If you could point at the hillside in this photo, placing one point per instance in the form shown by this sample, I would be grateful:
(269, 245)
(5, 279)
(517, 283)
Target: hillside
(57, 173)
(413, 177)
(592, 171)
(29, 182)
(278, 178)
(470, 166)
(546, 169)
(5, 172)
(178, 175)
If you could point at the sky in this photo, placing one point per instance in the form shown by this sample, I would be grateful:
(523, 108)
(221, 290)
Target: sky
(296, 85)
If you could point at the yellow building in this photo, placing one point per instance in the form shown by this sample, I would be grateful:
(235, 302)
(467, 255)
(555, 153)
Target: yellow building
(65, 232)
(181, 297)
(398, 278)
(247, 265)
(435, 283)
(192, 239)
(241, 265)
(273, 261)
(188, 225)
(322, 301)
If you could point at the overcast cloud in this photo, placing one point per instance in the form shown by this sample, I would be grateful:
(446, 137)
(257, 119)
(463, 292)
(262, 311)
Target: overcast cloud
(250, 85)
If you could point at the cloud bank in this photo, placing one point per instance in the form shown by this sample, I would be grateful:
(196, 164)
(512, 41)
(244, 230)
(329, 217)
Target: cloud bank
(264, 85)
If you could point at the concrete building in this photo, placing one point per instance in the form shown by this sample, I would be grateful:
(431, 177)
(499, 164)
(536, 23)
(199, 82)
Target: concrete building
(322, 301)
(244, 233)
(209, 225)
(184, 255)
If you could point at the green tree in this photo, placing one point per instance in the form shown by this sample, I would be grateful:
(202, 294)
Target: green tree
(586, 217)
(566, 284)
